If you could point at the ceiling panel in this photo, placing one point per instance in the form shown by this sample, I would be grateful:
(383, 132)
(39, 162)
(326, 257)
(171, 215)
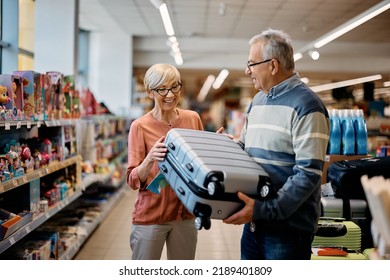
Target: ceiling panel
(209, 40)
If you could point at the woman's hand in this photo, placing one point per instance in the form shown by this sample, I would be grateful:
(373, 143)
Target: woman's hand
(158, 151)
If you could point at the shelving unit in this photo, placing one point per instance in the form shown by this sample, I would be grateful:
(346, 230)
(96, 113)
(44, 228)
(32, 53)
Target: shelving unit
(71, 137)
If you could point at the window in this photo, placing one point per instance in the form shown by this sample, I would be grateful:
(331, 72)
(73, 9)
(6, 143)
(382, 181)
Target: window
(26, 34)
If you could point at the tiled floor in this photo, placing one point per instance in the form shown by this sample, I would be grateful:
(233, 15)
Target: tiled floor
(110, 241)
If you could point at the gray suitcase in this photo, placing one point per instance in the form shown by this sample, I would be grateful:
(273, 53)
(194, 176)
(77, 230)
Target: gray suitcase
(207, 169)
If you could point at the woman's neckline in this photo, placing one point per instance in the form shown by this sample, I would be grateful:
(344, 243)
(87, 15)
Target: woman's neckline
(170, 122)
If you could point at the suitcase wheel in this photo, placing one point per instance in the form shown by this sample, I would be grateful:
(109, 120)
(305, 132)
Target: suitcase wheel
(214, 188)
(211, 188)
(201, 222)
(264, 191)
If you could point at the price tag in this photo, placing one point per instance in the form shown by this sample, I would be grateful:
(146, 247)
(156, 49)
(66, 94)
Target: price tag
(28, 230)
(12, 240)
(39, 124)
(18, 125)
(47, 215)
(28, 125)
(7, 126)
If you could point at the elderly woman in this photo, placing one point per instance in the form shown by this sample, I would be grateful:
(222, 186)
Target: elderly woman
(159, 219)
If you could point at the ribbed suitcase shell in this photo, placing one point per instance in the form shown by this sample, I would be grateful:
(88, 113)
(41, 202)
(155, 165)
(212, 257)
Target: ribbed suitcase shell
(200, 162)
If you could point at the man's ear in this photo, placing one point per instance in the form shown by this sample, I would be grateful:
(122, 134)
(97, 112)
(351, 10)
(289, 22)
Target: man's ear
(275, 66)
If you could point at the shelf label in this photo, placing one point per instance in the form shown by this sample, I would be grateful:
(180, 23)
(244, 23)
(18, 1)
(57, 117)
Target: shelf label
(12, 240)
(28, 125)
(47, 215)
(7, 126)
(18, 125)
(28, 230)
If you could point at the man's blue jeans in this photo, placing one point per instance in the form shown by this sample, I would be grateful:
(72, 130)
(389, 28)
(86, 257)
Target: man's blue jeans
(275, 246)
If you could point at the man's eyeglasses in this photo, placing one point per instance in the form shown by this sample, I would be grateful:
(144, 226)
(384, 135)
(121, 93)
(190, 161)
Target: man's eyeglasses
(249, 65)
(164, 91)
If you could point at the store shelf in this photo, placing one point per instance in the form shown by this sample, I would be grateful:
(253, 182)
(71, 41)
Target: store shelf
(110, 131)
(37, 221)
(52, 167)
(72, 251)
(29, 124)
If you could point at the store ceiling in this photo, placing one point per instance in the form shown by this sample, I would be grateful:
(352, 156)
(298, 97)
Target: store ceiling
(210, 40)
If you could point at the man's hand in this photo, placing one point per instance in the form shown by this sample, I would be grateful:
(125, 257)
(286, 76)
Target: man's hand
(245, 215)
(221, 130)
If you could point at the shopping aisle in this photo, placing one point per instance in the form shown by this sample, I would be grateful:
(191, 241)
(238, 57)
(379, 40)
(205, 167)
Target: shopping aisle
(110, 241)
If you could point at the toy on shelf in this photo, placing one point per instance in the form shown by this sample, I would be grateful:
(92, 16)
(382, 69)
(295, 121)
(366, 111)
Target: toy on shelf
(5, 169)
(27, 79)
(27, 161)
(8, 98)
(4, 99)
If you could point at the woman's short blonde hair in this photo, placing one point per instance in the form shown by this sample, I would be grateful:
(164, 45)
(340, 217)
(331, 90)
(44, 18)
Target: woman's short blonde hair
(160, 74)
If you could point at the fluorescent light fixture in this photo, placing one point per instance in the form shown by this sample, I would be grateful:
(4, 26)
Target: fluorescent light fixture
(346, 83)
(353, 23)
(166, 20)
(344, 28)
(157, 3)
(220, 79)
(297, 56)
(305, 80)
(205, 88)
(178, 58)
(172, 39)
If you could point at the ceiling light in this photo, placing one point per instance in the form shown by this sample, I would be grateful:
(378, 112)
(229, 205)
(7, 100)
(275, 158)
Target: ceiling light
(178, 58)
(346, 83)
(166, 20)
(344, 28)
(297, 56)
(220, 79)
(172, 39)
(205, 88)
(305, 80)
(157, 3)
(353, 23)
(314, 55)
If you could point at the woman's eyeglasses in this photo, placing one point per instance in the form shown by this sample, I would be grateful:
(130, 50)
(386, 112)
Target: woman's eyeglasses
(164, 91)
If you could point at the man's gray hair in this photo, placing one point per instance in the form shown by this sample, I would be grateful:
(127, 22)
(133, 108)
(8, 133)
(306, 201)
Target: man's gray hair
(277, 44)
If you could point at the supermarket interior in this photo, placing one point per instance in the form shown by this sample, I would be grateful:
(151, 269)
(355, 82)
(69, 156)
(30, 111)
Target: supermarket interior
(72, 83)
